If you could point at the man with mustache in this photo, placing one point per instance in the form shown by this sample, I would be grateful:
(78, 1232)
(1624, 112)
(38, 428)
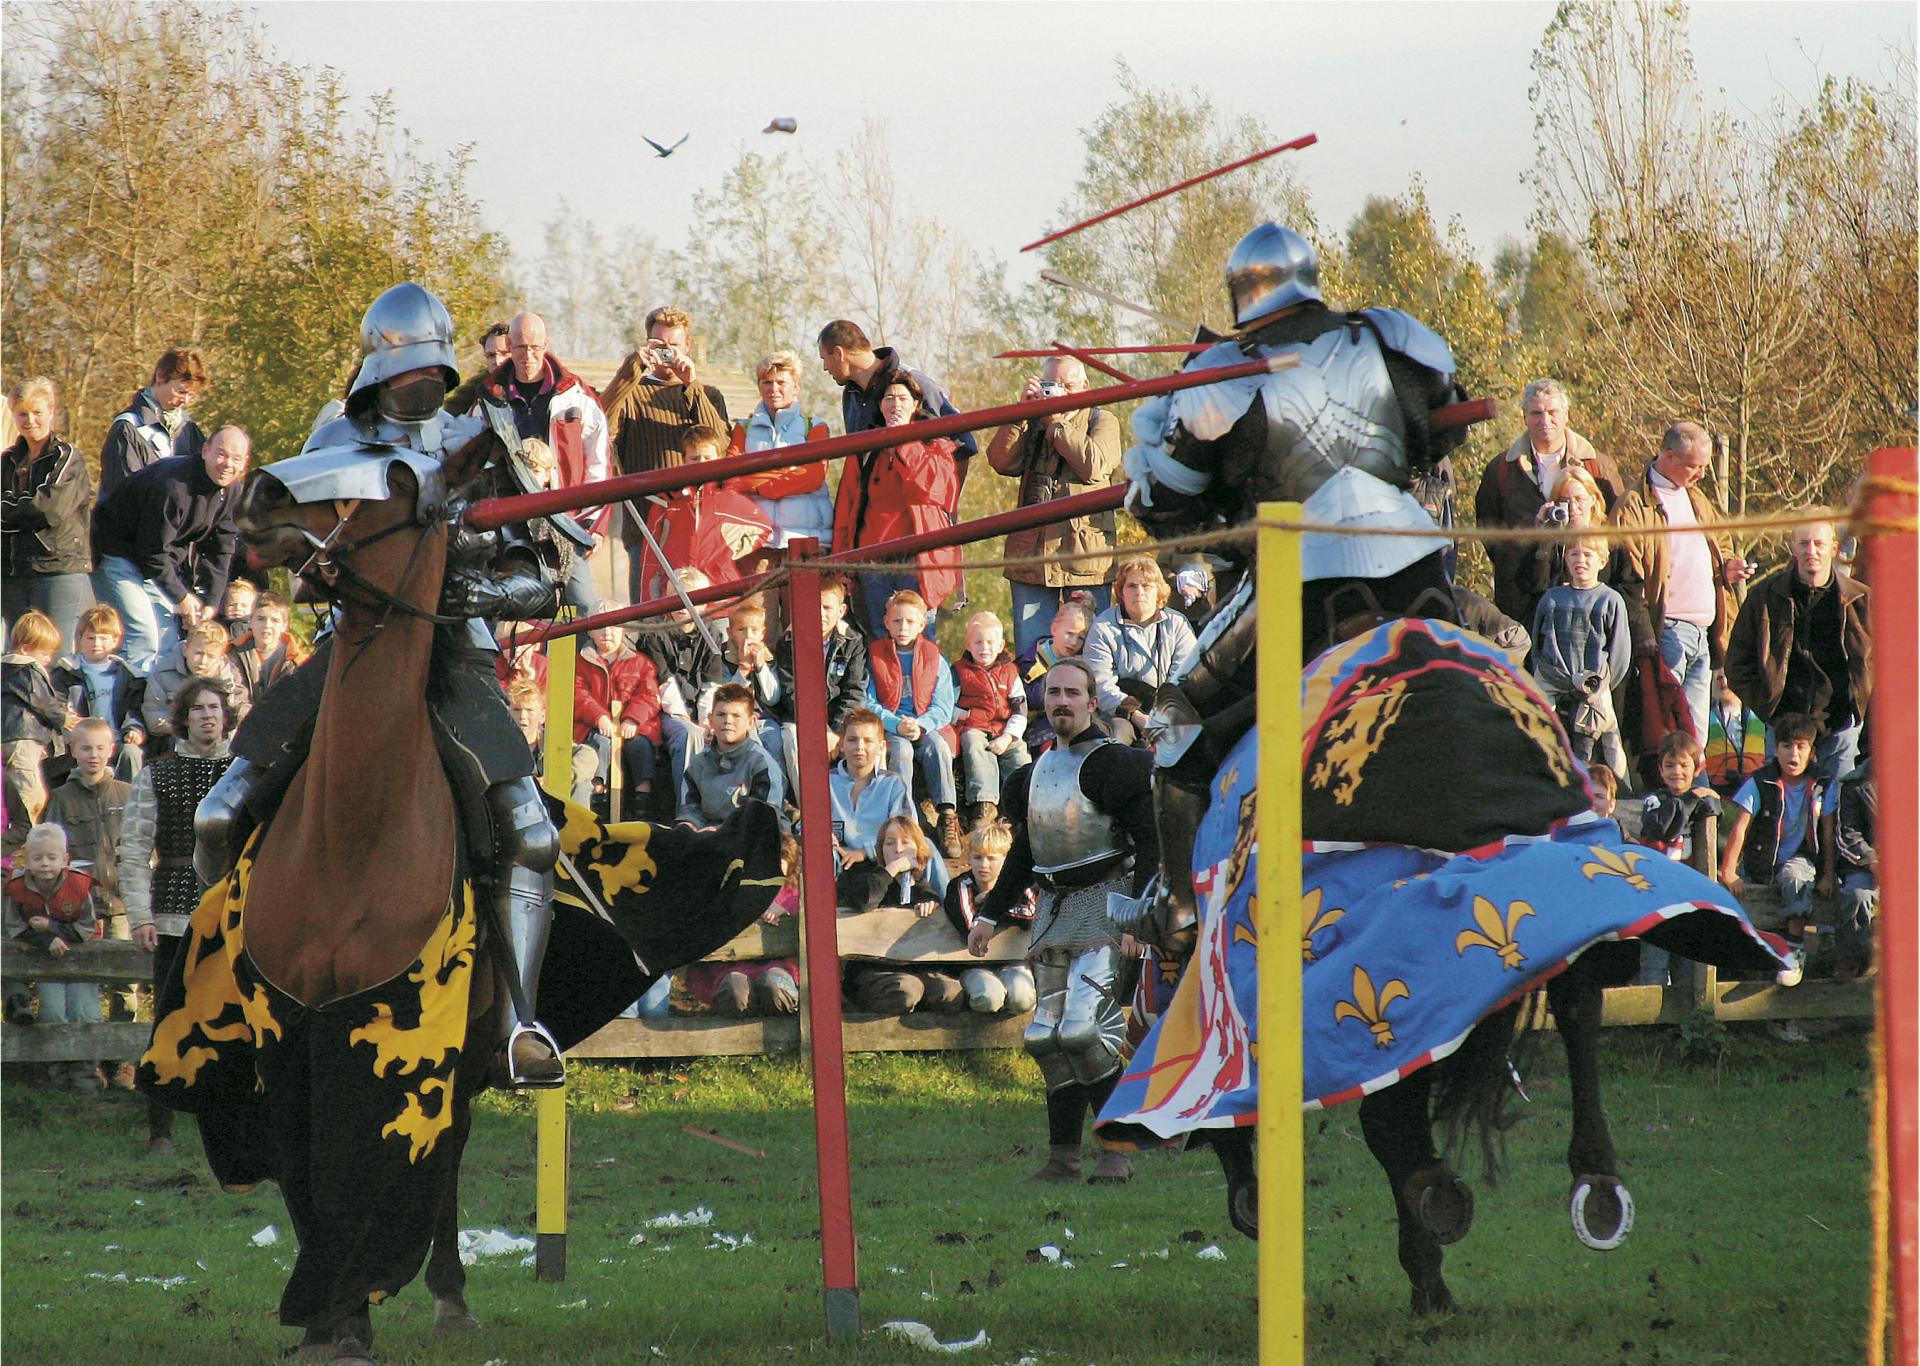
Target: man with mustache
(1082, 815)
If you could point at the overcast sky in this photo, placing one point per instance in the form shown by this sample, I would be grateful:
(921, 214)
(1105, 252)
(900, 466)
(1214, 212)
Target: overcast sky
(984, 102)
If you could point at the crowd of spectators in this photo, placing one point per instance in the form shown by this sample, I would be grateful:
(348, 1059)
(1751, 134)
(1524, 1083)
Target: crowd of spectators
(128, 600)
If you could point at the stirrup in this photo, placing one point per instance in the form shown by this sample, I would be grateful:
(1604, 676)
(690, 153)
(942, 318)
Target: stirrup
(545, 1073)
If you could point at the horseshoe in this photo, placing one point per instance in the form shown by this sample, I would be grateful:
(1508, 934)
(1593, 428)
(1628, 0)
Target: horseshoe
(1584, 1187)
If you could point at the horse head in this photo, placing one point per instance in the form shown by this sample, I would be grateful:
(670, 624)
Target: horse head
(362, 524)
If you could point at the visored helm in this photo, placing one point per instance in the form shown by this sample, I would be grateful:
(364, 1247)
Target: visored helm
(1271, 268)
(405, 329)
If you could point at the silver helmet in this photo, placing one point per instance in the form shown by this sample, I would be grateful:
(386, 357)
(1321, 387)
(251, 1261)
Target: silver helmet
(1271, 268)
(406, 328)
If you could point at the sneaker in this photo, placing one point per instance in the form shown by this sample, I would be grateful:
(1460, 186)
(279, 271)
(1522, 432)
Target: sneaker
(1794, 972)
(1787, 1031)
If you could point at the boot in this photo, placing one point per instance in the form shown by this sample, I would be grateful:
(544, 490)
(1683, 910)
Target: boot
(948, 829)
(523, 906)
(984, 813)
(1177, 811)
(1062, 1166)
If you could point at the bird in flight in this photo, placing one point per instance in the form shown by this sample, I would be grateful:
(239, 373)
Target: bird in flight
(782, 126)
(664, 151)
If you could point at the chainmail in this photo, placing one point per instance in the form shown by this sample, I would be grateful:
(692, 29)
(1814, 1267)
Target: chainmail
(1077, 916)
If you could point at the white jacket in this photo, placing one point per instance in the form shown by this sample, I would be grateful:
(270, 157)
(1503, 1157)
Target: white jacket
(1119, 647)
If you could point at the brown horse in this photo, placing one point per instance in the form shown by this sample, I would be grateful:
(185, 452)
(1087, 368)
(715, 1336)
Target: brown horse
(350, 883)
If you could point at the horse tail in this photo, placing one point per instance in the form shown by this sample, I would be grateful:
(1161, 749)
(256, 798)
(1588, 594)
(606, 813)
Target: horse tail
(1474, 1092)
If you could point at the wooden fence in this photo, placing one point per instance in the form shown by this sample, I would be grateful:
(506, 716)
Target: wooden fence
(708, 1035)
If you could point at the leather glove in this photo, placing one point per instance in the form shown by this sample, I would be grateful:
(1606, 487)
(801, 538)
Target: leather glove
(510, 596)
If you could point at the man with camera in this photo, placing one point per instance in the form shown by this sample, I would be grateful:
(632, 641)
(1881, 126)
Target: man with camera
(652, 403)
(1057, 457)
(1518, 487)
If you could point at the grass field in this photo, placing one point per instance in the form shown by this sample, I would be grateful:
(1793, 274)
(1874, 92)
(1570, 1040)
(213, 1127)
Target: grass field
(1751, 1244)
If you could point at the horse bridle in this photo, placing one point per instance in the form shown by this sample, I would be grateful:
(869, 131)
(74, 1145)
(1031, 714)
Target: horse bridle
(329, 556)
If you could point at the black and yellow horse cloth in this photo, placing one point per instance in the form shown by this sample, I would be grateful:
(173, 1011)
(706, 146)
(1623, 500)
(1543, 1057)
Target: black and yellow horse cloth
(359, 1108)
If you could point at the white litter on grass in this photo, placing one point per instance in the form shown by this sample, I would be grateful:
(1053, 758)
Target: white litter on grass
(1066, 1235)
(1116, 1266)
(1050, 1252)
(727, 1242)
(896, 1271)
(266, 1237)
(476, 1243)
(1164, 1253)
(118, 1278)
(203, 1266)
(113, 1247)
(697, 1217)
(1210, 1253)
(577, 1304)
(922, 1336)
(141, 1203)
(164, 1282)
(530, 1260)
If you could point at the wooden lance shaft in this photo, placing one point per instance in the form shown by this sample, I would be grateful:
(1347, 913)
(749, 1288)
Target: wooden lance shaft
(489, 513)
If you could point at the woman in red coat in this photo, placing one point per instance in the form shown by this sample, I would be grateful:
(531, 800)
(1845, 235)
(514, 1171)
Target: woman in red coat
(911, 487)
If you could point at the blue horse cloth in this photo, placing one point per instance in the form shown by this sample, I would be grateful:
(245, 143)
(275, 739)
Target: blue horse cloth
(1404, 948)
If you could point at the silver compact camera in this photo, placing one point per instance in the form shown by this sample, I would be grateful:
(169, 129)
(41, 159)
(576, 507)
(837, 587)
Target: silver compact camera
(659, 353)
(1558, 514)
(1051, 388)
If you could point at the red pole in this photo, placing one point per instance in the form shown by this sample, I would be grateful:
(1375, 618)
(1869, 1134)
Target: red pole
(1184, 348)
(1093, 362)
(1894, 564)
(1306, 141)
(839, 1273)
(494, 512)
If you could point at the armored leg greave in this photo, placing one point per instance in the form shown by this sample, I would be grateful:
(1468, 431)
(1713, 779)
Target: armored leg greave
(525, 848)
(1077, 1029)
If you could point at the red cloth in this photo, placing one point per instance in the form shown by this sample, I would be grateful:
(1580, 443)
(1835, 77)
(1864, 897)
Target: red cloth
(706, 528)
(986, 693)
(1663, 703)
(883, 667)
(630, 679)
(911, 487)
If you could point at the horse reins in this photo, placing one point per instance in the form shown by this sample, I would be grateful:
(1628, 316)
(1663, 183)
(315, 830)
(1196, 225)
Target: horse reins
(329, 556)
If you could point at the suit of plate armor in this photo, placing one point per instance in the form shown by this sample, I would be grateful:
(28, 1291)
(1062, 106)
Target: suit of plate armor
(490, 576)
(1342, 432)
(1080, 857)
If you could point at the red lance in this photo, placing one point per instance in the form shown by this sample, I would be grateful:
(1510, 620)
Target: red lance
(494, 512)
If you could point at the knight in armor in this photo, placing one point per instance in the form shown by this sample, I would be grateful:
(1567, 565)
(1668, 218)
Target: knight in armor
(393, 411)
(1082, 815)
(1345, 432)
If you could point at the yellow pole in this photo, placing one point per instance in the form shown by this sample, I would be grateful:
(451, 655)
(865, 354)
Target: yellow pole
(1283, 1216)
(550, 1106)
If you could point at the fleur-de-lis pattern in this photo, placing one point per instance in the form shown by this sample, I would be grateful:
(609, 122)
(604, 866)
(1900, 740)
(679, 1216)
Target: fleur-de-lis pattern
(1316, 920)
(1371, 1008)
(1620, 863)
(1495, 933)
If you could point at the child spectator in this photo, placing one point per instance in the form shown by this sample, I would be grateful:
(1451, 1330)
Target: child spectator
(731, 769)
(992, 707)
(865, 796)
(528, 706)
(1007, 986)
(845, 662)
(748, 661)
(688, 670)
(98, 682)
(35, 715)
(910, 686)
(236, 606)
(202, 653)
(1736, 739)
(1134, 646)
(1581, 653)
(91, 806)
(767, 986)
(1667, 816)
(1071, 622)
(1851, 854)
(50, 906)
(707, 527)
(1777, 823)
(1605, 785)
(265, 651)
(610, 677)
(894, 875)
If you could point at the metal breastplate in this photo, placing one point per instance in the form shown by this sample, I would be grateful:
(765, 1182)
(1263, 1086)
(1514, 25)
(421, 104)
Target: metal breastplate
(1064, 828)
(1336, 408)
